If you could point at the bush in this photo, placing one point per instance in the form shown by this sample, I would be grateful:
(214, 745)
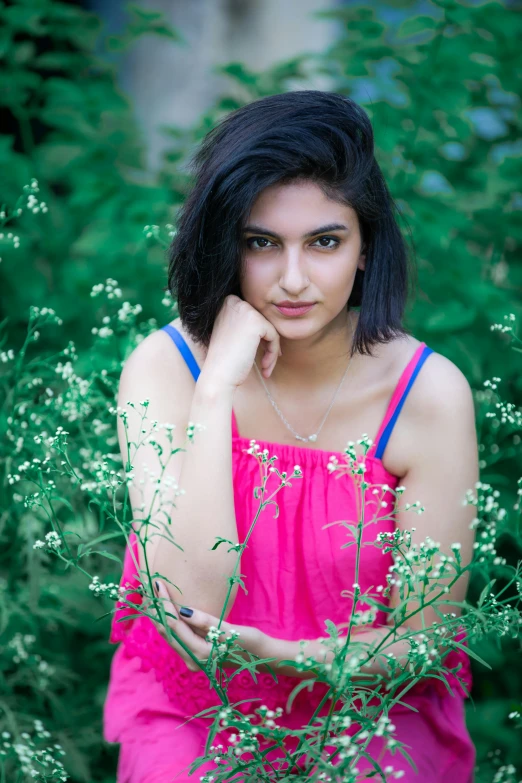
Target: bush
(90, 212)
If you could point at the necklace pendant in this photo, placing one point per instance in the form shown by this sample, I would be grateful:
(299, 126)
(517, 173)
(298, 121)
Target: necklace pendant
(312, 437)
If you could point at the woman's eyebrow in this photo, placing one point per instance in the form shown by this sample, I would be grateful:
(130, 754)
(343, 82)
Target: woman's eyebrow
(252, 229)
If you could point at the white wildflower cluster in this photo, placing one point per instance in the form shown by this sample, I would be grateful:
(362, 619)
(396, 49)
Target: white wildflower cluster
(70, 351)
(22, 644)
(223, 648)
(490, 514)
(58, 440)
(36, 206)
(423, 651)
(32, 202)
(65, 371)
(29, 467)
(35, 417)
(511, 318)
(509, 414)
(7, 356)
(244, 740)
(354, 463)
(167, 300)
(151, 231)
(332, 464)
(99, 588)
(103, 477)
(309, 662)
(366, 617)
(505, 413)
(103, 332)
(73, 403)
(504, 621)
(506, 773)
(52, 542)
(269, 717)
(35, 761)
(349, 744)
(255, 449)
(419, 509)
(192, 428)
(36, 464)
(127, 312)
(266, 463)
(110, 287)
(99, 426)
(44, 315)
(417, 564)
(10, 237)
(492, 384)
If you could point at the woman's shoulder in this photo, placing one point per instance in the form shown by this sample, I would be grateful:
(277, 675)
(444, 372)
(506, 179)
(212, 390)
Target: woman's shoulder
(439, 384)
(159, 360)
(198, 351)
(439, 395)
(152, 347)
(438, 379)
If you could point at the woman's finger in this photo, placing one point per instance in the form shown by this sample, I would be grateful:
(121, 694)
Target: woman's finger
(196, 644)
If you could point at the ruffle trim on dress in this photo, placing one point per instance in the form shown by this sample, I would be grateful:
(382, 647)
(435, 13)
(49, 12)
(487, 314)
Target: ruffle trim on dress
(191, 690)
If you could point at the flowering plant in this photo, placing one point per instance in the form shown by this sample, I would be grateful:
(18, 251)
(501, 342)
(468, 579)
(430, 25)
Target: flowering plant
(55, 415)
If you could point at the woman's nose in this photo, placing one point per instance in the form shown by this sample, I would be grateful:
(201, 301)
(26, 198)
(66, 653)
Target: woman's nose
(295, 272)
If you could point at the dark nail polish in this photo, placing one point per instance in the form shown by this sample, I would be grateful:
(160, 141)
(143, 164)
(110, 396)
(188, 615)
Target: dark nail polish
(157, 586)
(186, 612)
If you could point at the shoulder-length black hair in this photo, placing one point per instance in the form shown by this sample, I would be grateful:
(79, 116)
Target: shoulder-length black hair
(307, 134)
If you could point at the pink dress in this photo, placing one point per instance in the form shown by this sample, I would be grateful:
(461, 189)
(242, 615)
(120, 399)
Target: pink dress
(297, 576)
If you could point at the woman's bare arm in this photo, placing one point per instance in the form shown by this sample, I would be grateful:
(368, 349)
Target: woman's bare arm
(156, 371)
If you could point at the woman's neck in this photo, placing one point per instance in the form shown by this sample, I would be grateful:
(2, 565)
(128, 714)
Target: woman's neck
(317, 362)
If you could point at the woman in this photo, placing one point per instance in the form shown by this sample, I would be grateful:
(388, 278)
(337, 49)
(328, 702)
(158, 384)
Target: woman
(289, 208)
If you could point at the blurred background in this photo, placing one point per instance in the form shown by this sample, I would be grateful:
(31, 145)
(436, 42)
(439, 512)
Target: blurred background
(101, 105)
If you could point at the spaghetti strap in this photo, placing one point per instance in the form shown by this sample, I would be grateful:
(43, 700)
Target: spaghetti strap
(191, 363)
(398, 398)
(184, 349)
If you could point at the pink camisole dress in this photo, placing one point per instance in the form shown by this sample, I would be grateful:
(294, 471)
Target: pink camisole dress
(296, 572)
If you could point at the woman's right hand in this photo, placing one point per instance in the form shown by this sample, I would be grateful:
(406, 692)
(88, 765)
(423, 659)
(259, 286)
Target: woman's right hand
(234, 343)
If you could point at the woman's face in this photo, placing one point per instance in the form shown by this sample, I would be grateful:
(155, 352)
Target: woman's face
(299, 245)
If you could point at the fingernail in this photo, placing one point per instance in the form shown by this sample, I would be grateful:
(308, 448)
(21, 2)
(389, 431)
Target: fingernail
(186, 612)
(157, 585)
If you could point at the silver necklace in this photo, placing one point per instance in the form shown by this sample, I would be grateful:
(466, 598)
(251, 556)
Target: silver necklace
(313, 437)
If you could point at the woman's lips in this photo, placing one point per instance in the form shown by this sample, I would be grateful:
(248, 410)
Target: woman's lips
(293, 311)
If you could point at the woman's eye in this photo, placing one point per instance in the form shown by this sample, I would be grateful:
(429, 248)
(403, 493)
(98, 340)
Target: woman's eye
(325, 240)
(263, 242)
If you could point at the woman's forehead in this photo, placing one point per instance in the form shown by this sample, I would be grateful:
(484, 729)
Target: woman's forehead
(301, 205)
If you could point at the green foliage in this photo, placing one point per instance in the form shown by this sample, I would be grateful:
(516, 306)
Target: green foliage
(443, 92)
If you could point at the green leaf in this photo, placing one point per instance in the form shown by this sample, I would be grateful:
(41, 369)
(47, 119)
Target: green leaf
(450, 317)
(304, 683)
(107, 555)
(471, 653)
(415, 25)
(485, 592)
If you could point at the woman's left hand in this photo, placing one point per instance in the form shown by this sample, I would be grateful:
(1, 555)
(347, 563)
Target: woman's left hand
(195, 628)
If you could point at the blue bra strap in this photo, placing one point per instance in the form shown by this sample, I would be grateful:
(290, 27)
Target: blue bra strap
(184, 349)
(389, 427)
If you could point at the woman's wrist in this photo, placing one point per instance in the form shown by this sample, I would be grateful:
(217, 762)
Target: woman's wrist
(210, 388)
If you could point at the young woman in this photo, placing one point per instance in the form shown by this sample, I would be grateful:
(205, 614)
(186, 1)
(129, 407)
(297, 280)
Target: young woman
(291, 277)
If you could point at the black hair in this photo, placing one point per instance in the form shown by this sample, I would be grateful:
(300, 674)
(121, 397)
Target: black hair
(306, 134)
